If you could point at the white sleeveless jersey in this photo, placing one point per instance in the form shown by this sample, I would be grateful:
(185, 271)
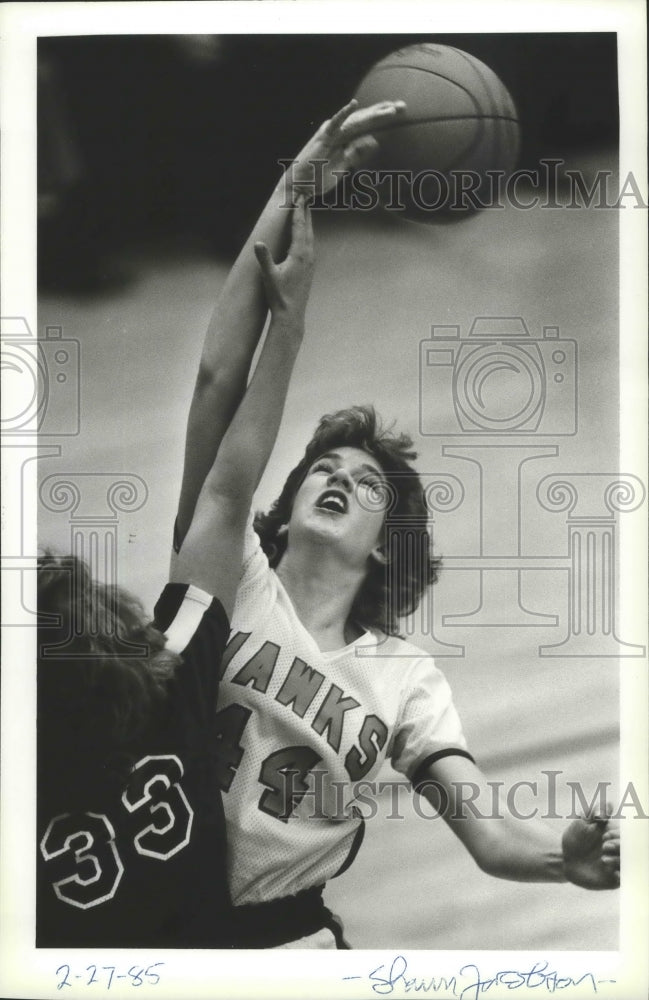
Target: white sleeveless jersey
(302, 732)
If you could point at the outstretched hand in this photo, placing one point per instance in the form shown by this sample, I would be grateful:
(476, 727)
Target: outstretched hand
(591, 852)
(342, 143)
(287, 285)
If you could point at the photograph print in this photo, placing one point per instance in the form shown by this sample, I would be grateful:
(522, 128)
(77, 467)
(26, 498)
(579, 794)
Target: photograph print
(335, 516)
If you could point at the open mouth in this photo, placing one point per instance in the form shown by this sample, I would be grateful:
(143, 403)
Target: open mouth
(333, 501)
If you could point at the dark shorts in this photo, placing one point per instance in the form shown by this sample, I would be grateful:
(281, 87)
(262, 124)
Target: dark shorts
(285, 920)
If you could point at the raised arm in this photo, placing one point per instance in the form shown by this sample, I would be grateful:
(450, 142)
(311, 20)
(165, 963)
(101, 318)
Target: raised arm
(210, 555)
(240, 314)
(521, 849)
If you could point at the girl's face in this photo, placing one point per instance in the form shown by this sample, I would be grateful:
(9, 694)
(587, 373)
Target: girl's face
(341, 503)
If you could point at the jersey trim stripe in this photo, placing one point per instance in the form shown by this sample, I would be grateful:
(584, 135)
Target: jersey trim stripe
(187, 619)
(420, 776)
(359, 836)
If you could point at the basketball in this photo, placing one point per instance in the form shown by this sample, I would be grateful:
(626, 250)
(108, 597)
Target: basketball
(459, 124)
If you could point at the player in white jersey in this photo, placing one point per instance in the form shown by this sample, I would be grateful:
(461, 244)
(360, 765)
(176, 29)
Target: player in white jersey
(306, 726)
(317, 689)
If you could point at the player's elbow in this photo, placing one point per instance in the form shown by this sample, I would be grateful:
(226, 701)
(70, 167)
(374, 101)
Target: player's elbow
(491, 855)
(491, 863)
(235, 474)
(220, 375)
(209, 379)
(229, 488)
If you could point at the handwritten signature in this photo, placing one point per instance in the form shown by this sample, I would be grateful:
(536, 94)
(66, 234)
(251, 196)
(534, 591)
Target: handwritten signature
(469, 983)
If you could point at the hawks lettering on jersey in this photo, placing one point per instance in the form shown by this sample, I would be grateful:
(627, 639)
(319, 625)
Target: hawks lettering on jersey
(298, 691)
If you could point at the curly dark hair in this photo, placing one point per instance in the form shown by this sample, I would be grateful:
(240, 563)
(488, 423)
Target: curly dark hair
(394, 590)
(103, 670)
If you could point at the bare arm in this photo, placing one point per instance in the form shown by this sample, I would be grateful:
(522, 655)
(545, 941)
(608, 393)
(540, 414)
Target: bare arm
(521, 849)
(241, 310)
(210, 555)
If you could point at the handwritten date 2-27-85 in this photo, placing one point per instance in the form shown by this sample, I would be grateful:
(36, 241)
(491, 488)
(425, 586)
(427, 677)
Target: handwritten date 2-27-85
(107, 975)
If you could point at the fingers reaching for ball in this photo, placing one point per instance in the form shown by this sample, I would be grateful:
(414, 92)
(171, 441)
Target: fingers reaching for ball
(333, 125)
(359, 151)
(343, 142)
(353, 120)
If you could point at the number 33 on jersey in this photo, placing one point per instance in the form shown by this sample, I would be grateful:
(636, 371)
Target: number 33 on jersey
(85, 843)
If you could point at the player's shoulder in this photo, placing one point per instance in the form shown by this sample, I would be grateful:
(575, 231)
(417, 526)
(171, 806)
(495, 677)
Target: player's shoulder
(403, 647)
(184, 611)
(382, 644)
(397, 654)
(255, 569)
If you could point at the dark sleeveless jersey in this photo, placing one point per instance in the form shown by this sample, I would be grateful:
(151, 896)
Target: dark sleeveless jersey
(131, 839)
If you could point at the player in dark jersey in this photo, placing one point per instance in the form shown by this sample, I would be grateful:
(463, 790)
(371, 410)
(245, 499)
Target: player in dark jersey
(130, 826)
(131, 843)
